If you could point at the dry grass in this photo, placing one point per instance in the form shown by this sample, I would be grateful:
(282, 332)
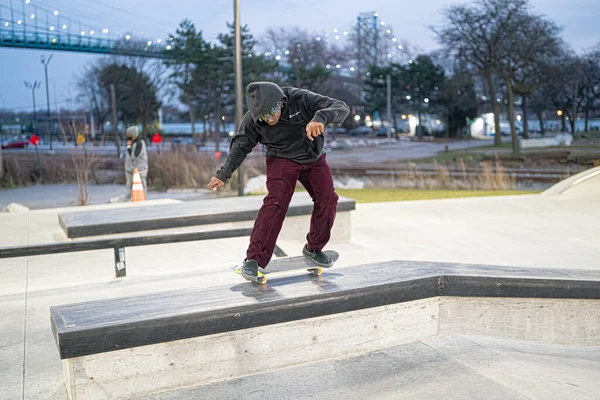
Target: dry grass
(167, 170)
(493, 177)
(178, 169)
(385, 195)
(24, 170)
(191, 169)
(82, 160)
(187, 169)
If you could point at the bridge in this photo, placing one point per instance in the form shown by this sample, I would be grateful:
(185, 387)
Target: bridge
(26, 25)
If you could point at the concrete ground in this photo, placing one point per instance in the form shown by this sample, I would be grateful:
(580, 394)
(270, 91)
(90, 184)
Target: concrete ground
(444, 368)
(528, 231)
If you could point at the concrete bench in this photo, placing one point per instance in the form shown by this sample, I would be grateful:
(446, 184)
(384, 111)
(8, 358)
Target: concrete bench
(203, 212)
(136, 346)
(563, 139)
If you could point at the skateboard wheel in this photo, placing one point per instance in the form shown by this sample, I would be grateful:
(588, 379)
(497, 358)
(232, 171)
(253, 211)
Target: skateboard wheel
(262, 280)
(317, 271)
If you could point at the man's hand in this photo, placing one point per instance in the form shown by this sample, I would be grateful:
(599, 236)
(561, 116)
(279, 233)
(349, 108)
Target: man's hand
(314, 129)
(215, 183)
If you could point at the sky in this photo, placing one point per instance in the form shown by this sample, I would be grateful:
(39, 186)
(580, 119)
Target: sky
(411, 21)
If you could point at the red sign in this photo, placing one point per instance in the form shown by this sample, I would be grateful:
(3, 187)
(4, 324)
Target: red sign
(34, 140)
(156, 138)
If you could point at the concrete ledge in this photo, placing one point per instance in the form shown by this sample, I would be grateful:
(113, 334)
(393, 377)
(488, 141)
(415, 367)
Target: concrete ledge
(235, 209)
(204, 360)
(552, 321)
(116, 324)
(135, 346)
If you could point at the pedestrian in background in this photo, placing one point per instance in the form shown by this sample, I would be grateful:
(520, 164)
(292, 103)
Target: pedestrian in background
(136, 156)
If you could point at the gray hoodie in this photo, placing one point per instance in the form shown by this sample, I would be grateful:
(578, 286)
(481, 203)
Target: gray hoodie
(286, 139)
(136, 156)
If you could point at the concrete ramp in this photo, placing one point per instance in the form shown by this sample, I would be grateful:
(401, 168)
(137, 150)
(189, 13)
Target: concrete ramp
(584, 185)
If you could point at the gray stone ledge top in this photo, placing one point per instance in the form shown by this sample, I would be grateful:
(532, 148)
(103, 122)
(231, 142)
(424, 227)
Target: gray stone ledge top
(105, 325)
(228, 209)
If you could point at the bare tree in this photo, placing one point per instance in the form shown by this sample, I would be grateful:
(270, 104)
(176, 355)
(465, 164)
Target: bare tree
(475, 33)
(564, 88)
(590, 85)
(531, 39)
(274, 38)
(556, 94)
(151, 74)
(458, 98)
(76, 130)
(91, 92)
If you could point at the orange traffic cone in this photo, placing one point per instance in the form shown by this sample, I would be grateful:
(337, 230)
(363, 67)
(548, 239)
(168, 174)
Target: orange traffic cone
(137, 188)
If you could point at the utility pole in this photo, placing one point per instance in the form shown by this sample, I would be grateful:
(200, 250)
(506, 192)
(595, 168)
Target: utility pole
(388, 82)
(113, 98)
(574, 122)
(33, 86)
(45, 63)
(376, 46)
(92, 125)
(239, 110)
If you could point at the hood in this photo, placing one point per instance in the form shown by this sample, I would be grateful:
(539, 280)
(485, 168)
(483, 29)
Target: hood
(132, 131)
(261, 97)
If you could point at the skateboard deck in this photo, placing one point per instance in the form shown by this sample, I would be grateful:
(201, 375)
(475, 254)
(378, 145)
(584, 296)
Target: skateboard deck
(290, 264)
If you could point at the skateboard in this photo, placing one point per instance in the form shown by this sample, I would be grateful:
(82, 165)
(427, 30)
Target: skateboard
(290, 264)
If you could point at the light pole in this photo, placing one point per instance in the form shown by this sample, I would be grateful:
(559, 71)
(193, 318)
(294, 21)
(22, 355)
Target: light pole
(33, 86)
(388, 81)
(45, 62)
(1, 133)
(239, 110)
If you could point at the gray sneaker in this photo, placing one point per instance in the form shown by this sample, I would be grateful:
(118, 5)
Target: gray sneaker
(250, 270)
(319, 257)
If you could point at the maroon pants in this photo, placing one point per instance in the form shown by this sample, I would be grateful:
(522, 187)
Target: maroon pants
(282, 175)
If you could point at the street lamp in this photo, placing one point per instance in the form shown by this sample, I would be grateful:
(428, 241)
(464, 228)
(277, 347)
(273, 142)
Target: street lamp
(45, 63)
(33, 86)
(239, 107)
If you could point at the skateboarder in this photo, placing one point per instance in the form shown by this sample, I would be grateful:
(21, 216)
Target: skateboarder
(290, 122)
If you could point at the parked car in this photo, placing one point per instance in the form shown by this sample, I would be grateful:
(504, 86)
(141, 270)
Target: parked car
(384, 131)
(18, 143)
(505, 128)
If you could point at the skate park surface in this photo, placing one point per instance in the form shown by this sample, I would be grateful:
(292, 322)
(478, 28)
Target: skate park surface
(556, 230)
